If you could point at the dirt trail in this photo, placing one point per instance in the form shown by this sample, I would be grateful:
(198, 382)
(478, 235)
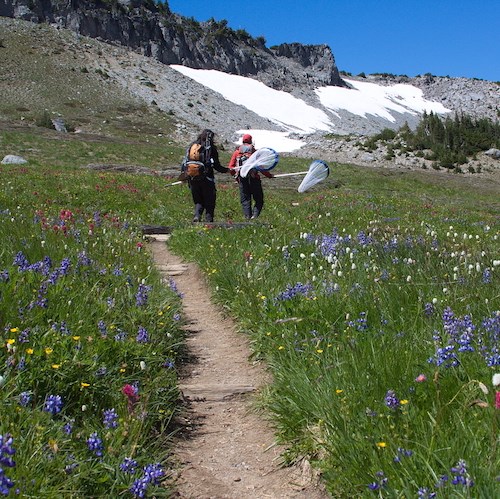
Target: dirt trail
(227, 450)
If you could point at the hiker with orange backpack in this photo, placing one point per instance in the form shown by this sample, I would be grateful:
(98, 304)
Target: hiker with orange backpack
(250, 185)
(197, 168)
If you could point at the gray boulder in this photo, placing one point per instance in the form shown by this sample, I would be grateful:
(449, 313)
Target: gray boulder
(493, 153)
(12, 159)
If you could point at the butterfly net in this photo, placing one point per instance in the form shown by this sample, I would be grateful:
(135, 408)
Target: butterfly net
(264, 159)
(318, 171)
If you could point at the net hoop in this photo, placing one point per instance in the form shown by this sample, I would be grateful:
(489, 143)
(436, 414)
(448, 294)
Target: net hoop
(264, 159)
(318, 171)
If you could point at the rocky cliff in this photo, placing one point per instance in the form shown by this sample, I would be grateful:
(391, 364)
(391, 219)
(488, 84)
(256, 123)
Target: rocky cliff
(155, 31)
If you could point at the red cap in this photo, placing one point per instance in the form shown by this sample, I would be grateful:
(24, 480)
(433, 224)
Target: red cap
(247, 139)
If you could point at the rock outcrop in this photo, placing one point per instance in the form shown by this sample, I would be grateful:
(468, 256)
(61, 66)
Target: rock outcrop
(155, 31)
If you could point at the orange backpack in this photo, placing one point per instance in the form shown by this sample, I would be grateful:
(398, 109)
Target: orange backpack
(195, 168)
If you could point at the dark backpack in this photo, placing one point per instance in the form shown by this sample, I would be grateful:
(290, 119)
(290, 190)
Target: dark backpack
(198, 159)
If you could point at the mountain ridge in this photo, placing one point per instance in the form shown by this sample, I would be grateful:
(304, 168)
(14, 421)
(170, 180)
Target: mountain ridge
(155, 31)
(97, 73)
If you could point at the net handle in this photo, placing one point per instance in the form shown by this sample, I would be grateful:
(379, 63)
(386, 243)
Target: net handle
(290, 174)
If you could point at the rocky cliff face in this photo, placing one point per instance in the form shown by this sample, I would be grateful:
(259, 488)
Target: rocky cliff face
(172, 39)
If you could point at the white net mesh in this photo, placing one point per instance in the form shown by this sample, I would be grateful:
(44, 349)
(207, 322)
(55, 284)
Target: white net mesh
(264, 159)
(318, 171)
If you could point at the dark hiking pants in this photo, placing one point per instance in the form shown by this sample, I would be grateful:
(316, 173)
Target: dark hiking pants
(204, 198)
(251, 189)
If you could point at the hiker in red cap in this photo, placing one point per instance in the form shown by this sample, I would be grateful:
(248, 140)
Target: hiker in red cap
(251, 185)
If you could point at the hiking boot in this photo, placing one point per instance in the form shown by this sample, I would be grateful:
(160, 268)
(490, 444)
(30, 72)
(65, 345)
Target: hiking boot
(196, 220)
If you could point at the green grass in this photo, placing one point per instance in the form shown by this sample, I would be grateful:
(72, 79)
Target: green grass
(334, 288)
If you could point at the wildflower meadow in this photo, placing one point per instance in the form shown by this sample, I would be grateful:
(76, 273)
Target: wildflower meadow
(374, 302)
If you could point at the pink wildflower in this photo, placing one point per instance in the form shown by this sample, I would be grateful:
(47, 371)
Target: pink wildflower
(497, 400)
(420, 378)
(132, 395)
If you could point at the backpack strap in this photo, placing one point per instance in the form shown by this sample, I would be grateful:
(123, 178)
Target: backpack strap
(208, 148)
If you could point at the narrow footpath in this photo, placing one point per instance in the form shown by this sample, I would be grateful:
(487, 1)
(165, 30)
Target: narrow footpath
(227, 449)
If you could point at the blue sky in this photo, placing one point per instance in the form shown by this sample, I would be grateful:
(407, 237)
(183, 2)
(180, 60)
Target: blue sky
(443, 37)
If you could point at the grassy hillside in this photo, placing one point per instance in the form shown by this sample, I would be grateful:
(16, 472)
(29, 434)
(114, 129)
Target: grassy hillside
(48, 73)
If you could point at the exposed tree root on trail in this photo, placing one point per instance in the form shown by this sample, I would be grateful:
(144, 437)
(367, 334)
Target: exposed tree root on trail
(226, 449)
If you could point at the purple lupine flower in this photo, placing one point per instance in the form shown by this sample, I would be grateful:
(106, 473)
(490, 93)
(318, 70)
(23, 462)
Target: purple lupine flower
(53, 404)
(364, 239)
(5, 483)
(97, 219)
(443, 480)
(153, 472)
(295, 290)
(68, 427)
(128, 465)
(176, 317)
(4, 276)
(142, 335)
(65, 266)
(173, 287)
(110, 418)
(381, 481)
(361, 323)
(21, 365)
(120, 335)
(402, 453)
(169, 364)
(139, 487)
(94, 444)
(117, 271)
(429, 309)
(21, 261)
(6, 453)
(141, 298)
(384, 275)
(84, 260)
(424, 493)
(391, 401)
(487, 276)
(6, 450)
(69, 468)
(101, 325)
(460, 475)
(23, 336)
(24, 399)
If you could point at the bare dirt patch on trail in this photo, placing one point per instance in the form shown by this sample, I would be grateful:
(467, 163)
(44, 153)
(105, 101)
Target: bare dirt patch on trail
(226, 449)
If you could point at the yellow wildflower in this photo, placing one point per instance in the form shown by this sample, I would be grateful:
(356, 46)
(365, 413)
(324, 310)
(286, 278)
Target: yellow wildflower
(14, 329)
(29, 351)
(11, 341)
(404, 402)
(56, 366)
(84, 385)
(48, 350)
(338, 391)
(381, 445)
(76, 338)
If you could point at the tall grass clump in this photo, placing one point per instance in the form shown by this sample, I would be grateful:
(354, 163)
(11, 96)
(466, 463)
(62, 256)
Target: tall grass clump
(378, 315)
(90, 339)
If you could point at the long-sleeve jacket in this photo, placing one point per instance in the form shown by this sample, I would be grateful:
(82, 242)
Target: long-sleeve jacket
(246, 150)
